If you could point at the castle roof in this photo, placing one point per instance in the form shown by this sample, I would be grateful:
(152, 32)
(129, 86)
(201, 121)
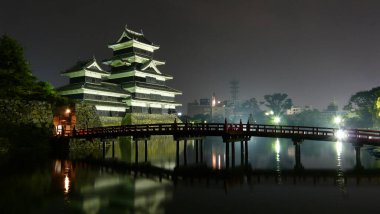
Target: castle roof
(129, 35)
(89, 65)
(150, 86)
(104, 86)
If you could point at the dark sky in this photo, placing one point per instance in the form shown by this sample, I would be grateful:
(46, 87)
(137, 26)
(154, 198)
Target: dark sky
(313, 50)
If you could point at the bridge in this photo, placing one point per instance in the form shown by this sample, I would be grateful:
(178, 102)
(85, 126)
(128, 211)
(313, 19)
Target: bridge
(230, 133)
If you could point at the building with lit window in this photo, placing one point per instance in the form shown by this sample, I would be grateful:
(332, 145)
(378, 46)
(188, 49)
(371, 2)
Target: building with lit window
(133, 84)
(134, 68)
(87, 84)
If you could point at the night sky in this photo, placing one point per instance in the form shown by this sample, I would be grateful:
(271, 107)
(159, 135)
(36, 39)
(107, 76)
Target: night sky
(313, 50)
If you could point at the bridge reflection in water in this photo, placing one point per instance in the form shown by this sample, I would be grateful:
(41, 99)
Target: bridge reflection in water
(143, 184)
(183, 133)
(201, 174)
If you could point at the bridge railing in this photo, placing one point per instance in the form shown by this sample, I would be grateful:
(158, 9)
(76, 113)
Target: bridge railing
(220, 128)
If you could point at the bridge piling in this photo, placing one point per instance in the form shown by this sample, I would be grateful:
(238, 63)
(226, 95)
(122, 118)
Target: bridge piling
(201, 145)
(196, 151)
(246, 152)
(146, 150)
(358, 163)
(227, 154)
(177, 153)
(136, 151)
(297, 144)
(185, 152)
(233, 154)
(241, 153)
(113, 149)
(104, 149)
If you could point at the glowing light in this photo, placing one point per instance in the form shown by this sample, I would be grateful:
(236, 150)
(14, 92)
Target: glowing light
(68, 111)
(218, 101)
(179, 114)
(269, 113)
(59, 129)
(339, 147)
(341, 134)
(276, 119)
(67, 184)
(213, 103)
(338, 120)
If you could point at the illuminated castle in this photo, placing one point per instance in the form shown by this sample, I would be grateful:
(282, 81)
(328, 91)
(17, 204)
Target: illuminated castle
(134, 84)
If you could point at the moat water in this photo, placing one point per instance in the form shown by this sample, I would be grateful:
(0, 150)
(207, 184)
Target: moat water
(332, 181)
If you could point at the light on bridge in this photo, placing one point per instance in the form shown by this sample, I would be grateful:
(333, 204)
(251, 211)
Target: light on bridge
(340, 134)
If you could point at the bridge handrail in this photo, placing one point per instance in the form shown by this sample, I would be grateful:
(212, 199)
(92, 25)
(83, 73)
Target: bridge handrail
(218, 128)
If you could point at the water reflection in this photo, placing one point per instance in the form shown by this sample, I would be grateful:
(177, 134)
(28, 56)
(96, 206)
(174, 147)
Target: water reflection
(63, 173)
(277, 147)
(67, 184)
(340, 180)
(216, 163)
(98, 190)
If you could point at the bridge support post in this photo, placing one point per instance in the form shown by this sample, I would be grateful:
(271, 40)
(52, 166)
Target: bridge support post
(246, 152)
(113, 149)
(146, 150)
(241, 153)
(201, 145)
(227, 155)
(358, 164)
(104, 149)
(196, 151)
(233, 154)
(136, 151)
(177, 153)
(297, 144)
(185, 152)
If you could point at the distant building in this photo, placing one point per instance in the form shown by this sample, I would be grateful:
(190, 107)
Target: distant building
(297, 109)
(196, 108)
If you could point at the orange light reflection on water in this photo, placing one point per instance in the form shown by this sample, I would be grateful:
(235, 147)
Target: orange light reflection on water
(67, 184)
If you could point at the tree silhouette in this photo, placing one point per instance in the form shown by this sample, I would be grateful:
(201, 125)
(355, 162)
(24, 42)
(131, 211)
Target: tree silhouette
(16, 77)
(278, 103)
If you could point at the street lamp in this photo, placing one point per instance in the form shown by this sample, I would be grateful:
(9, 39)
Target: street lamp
(340, 134)
(338, 120)
(276, 120)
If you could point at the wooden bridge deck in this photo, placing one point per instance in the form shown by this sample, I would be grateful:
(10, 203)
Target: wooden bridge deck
(231, 131)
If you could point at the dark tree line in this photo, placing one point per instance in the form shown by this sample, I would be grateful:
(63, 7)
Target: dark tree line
(16, 78)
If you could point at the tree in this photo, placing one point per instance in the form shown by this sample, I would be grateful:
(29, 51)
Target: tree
(363, 104)
(250, 106)
(16, 78)
(251, 109)
(278, 103)
(309, 118)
